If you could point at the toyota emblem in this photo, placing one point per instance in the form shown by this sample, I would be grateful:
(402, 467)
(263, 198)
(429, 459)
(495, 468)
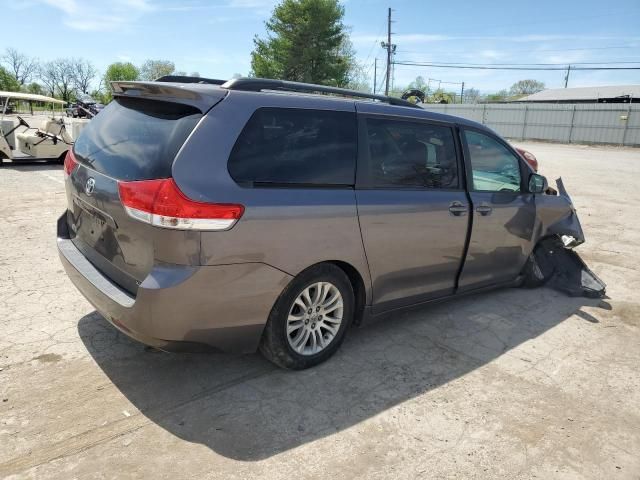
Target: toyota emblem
(90, 186)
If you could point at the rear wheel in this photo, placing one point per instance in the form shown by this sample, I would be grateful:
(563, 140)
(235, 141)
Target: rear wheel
(310, 318)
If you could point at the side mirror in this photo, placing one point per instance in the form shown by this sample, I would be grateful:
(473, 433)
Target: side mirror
(537, 183)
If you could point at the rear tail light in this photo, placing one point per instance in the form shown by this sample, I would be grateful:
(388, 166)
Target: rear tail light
(70, 163)
(161, 203)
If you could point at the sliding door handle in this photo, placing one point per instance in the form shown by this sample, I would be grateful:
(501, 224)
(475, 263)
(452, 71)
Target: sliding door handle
(458, 209)
(484, 209)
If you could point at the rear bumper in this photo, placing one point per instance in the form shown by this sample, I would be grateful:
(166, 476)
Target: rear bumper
(224, 307)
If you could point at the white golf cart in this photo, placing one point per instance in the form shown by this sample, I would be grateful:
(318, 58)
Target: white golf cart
(42, 136)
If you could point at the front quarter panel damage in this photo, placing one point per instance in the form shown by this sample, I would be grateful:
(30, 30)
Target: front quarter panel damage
(558, 230)
(556, 216)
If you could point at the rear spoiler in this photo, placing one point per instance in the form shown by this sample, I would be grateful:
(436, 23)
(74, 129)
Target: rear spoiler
(200, 96)
(187, 79)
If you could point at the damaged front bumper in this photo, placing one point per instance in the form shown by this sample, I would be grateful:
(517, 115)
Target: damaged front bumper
(559, 231)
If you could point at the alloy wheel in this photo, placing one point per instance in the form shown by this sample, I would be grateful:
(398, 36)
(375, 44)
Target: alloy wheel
(314, 318)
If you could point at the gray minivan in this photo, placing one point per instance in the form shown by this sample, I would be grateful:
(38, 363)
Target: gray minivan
(266, 214)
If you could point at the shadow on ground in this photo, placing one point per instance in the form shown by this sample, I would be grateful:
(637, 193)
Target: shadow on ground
(244, 408)
(32, 165)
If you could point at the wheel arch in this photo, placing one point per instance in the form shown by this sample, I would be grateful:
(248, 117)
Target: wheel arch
(357, 283)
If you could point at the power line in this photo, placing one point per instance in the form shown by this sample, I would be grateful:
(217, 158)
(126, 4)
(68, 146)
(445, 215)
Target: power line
(492, 67)
(375, 42)
(527, 50)
(524, 64)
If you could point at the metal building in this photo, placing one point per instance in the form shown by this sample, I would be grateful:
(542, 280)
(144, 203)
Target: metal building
(604, 94)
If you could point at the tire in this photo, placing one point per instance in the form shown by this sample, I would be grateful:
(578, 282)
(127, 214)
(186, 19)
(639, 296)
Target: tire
(277, 345)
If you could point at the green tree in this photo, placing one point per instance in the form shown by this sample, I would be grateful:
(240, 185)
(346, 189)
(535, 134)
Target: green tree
(153, 69)
(117, 71)
(8, 82)
(34, 88)
(121, 71)
(359, 79)
(419, 84)
(440, 96)
(526, 87)
(306, 42)
(500, 96)
(101, 96)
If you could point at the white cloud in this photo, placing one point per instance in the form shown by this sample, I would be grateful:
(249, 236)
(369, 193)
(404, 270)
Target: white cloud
(91, 16)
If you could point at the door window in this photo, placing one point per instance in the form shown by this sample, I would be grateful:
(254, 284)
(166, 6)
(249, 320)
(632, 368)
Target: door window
(288, 146)
(494, 167)
(411, 154)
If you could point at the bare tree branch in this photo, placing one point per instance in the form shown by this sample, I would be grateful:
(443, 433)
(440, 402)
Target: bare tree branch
(82, 73)
(22, 67)
(58, 77)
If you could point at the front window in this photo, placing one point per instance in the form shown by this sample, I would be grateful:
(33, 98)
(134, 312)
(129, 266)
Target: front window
(494, 167)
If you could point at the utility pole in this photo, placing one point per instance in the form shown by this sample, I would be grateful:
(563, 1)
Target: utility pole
(391, 49)
(375, 75)
(462, 93)
(386, 88)
(566, 78)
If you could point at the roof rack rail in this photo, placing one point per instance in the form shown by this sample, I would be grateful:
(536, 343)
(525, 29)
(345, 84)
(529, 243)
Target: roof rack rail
(189, 79)
(259, 84)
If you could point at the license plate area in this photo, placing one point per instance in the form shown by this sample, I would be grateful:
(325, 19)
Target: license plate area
(95, 227)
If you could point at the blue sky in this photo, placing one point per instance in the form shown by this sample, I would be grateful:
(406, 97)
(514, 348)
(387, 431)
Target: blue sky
(214, 37)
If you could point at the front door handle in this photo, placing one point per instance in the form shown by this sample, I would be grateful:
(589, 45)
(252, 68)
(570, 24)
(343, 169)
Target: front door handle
(458, 209)
(484, 209)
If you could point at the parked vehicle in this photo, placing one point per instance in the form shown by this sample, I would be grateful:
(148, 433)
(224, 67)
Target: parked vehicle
(85, 107)
(21, 141)
(528, 157)
(258, 213)
(72, 110)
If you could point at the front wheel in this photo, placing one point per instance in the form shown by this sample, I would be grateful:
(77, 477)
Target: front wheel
(310, 318)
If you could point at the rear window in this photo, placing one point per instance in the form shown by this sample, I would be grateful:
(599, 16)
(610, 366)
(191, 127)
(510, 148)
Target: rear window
(135, 139)
(285, 146)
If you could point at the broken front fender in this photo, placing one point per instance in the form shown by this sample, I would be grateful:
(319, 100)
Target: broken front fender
(558, 230)
(556, 216)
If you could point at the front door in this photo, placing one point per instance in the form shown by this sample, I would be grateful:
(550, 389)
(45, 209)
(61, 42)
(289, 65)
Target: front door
(413, 210)
(503, 212)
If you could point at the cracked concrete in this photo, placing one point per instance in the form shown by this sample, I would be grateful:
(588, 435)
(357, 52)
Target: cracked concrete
(511, 384)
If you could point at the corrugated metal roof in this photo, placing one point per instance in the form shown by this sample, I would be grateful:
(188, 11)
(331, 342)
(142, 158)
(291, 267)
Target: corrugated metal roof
(583, 93)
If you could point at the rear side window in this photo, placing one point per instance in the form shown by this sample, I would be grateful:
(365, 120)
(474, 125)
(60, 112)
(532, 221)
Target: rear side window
(411, 155)
(136, 139)
(285, 146)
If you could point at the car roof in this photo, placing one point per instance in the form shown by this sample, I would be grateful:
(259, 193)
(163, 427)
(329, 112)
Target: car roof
(206, 95)
(311, 100)
(381, 108)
